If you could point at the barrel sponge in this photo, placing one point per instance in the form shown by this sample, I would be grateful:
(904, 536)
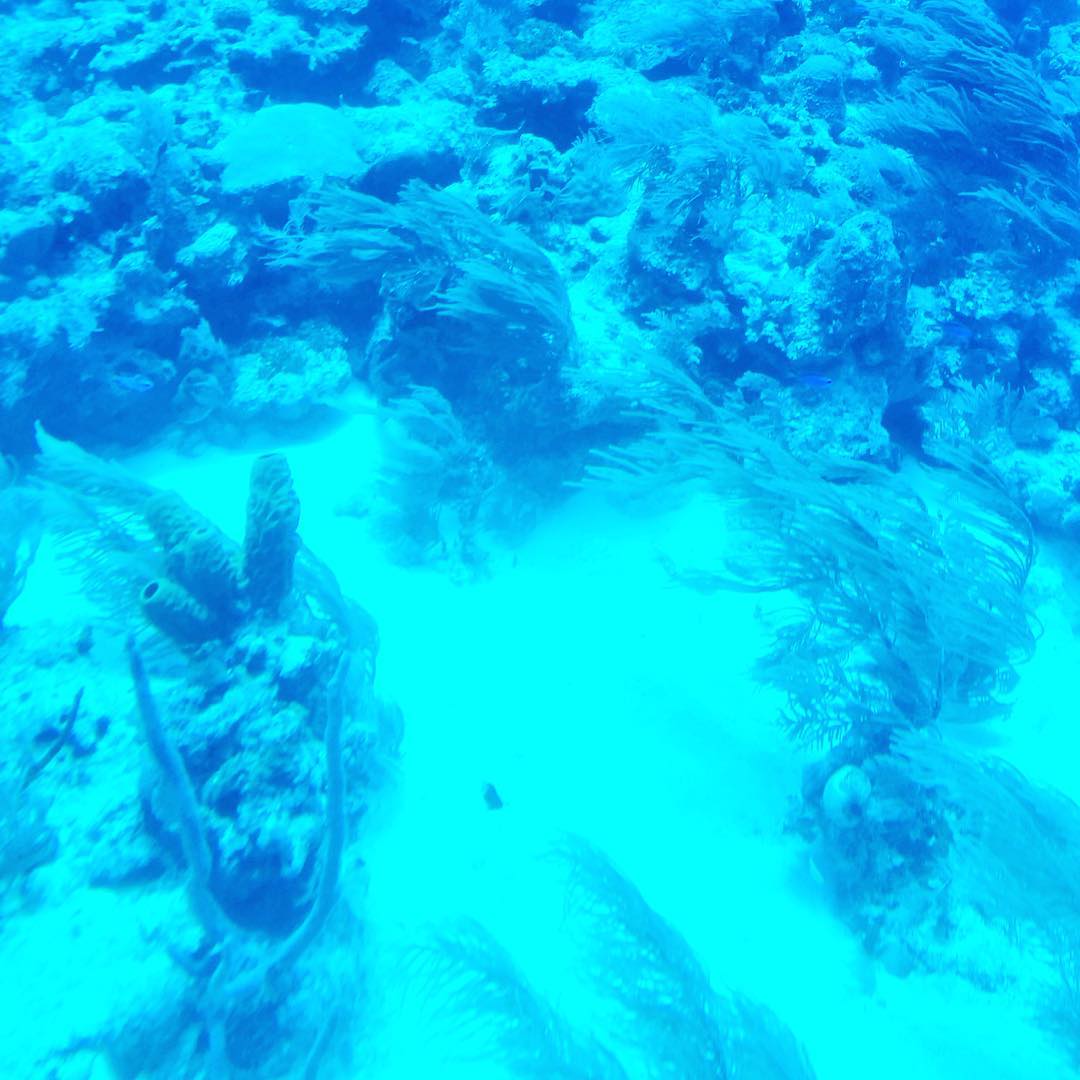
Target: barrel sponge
(271, 540)
(207, 563)
(198, 555)
(176, 613)
(170, 519)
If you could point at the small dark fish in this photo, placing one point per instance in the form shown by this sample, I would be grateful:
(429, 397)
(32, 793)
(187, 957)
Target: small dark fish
(135, 382)
(491, 797)
(814, 380)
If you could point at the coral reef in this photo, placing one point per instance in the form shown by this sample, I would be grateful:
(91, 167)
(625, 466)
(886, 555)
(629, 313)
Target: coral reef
(810, 260)
(264, 734)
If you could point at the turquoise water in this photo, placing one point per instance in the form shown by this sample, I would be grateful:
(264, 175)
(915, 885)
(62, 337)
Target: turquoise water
(538, 539)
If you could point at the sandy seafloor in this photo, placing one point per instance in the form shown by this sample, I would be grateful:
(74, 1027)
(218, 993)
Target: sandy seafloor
(601, 700)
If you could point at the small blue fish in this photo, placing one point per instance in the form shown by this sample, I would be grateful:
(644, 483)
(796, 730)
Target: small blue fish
(814, 380)
(135, 382)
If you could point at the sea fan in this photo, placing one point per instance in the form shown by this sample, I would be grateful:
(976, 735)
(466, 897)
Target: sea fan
(977, 115)
(19, 537)
(470, 306)
(481, 1009)
(910, 594)
(94, 512)
(1015, 844)
(433, 252)
(663, 1007)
